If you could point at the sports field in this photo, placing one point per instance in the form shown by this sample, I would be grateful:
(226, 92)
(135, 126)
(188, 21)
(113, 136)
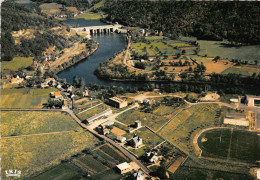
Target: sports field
(231, 145)
(24, 97)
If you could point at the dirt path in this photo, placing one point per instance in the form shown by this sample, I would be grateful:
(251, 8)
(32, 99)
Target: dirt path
(40, 134)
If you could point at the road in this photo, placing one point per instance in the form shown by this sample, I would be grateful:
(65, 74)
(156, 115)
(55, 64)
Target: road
(123, 150)
(17, 109)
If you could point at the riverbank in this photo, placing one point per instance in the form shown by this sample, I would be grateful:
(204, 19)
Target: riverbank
(76, 59)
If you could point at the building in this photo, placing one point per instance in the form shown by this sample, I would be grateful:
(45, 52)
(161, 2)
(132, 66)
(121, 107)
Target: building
(117, 102)
(99, 115)
(48, 82)
(152, 156)
(136, 142)
(146, 101)
(123, 168)
(138, 175)
(121, 139)
(56, 95)
(17, 80)
(107, 123)
(105, 131)
(138, 124)
(251, 100)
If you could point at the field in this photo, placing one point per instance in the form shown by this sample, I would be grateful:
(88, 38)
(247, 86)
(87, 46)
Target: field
(113, 153)
(117, 131)
(205, 174)
(50, 6)
(16, 123)
(215, 48)
(64, 171)
(89, 16)
(151, 120)
(243, 70)
(16, 63)
(90, 164)
(34, 153)
(179, 130)
(24, 98)
(231, 145)
(218, 67)
(92, 112)
(150, 140)
(163, 110)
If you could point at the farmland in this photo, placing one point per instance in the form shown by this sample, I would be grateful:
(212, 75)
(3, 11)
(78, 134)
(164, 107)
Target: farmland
(231, 145)
(89, 16)
(32, 154)
(16, 63)
(151, 120)
(91, 112)
(179, 130)
(218, 48)
(64, 171)
(24, 98)
(16, 123)
(243, 70)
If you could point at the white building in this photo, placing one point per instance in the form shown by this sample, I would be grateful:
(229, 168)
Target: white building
(123, 167)
(121, 139)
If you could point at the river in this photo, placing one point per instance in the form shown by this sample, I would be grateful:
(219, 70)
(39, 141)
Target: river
(109, 44)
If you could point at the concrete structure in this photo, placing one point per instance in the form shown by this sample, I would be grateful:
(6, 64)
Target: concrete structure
(99, 115)
(121, 139)
(136, 142)
(98, 29)
(138, 124)
(107, 123)
(123, 167)
(252, 100)
(138, 175)
(56, 94)
(117, 102)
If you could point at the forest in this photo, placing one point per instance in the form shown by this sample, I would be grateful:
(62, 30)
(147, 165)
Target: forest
(24, 18)
(236, 21)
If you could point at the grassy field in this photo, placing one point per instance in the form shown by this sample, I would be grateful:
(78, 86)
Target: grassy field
(163, 110)
(114, 153)
(16, 123)
(89, 113)
(64, 171)
(16, 63)
(90, 163)
(89, 16)
(151, 120)
(24, 98)
(50, 6)
(108, 175)
(215, 48)
(34, 153)
(243, 70)
(150, 140)
(179, 130)
(231, 145)
(205, 174)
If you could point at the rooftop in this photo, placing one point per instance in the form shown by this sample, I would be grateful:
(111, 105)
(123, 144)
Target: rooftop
(123, 166)
(117, 99)
(252, 96)
(57, 93)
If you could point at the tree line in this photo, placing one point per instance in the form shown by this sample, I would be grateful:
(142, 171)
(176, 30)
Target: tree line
(236, 21)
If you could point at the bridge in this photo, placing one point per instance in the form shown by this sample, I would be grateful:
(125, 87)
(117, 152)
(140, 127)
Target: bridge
(98, 29)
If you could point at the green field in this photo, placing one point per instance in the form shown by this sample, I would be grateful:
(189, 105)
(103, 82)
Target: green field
(205, 174)
(245, 71)
(179, 130)
(34, 153)
(50, 6)
(107, 175)
(24, 97)
(112, 152)
(163, 110)
(214, 48)
(16, 63)
(231, 145)
(151, 120)
(150, 140)
(89, 16)
(92, 112)
(16, 123)
(64, 171)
